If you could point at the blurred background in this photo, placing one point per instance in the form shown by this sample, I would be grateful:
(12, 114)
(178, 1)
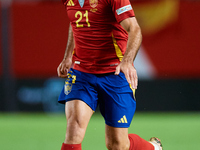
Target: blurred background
(33, 36)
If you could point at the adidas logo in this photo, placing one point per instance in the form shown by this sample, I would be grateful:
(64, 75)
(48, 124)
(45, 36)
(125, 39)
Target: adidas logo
(70, 3)
(123, 120)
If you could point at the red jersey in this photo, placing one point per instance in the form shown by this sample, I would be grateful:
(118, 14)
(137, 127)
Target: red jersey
(100, 40)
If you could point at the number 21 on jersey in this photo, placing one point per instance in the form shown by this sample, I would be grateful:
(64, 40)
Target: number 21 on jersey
(79, 15)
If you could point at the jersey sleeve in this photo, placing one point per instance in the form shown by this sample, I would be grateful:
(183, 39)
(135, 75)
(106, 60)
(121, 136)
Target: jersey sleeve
(122, 9)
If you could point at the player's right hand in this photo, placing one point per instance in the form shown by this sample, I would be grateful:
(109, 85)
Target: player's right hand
(130, 73)
(64, 67)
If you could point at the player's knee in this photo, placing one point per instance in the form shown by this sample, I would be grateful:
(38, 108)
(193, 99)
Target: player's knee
(75, 132)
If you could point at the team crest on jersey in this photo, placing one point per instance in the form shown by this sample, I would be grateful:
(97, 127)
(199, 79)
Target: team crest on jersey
(93, 3)
(68, 88)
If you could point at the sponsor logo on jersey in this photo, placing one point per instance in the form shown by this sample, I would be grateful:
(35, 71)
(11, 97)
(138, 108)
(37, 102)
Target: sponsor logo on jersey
(70, 3)
(124, 9)
(68, 88)
(93, 3)
(123, 120)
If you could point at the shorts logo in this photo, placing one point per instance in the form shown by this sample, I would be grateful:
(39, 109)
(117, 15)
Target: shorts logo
(123, 120)
(93, 3)
(68, 88)
(123, 9)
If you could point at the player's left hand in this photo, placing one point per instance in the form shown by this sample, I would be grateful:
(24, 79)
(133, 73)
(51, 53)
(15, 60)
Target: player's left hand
(130, 73)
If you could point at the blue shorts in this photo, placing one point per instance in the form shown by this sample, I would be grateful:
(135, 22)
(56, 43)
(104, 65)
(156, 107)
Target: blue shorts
(111, 92)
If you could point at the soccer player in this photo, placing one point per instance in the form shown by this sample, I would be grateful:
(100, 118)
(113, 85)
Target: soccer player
(103, 41)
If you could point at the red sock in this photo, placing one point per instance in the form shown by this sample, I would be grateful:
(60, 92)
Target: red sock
(137, 143)
(71, 146)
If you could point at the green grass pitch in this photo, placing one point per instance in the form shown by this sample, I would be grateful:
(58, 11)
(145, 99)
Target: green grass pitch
(37, 131)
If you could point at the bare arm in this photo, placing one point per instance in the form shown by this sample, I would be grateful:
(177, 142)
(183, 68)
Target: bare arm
(66, 63)
(133, 45)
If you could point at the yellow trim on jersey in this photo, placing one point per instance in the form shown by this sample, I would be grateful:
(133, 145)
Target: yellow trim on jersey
(117, 49)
